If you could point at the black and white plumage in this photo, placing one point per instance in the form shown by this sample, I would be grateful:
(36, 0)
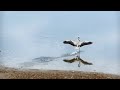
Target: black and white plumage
(77, 43)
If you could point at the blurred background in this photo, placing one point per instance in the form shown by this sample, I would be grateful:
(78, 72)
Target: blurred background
(25, 35)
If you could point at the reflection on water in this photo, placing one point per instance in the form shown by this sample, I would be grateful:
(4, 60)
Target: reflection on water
(28, 35)
(45, 60)
(77, 58)
(63, 62)
(37, 61)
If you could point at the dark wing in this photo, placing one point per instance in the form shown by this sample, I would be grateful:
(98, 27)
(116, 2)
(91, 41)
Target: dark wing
(71, 60)
(85, 43)
(69, 42)
(85, 62)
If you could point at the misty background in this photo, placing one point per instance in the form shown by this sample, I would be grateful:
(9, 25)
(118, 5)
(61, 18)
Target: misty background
(31, 34)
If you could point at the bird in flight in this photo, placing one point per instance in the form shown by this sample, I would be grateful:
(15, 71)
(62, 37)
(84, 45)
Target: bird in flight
(77, 43)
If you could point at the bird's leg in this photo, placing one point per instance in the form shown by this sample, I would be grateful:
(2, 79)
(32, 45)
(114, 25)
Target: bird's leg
(79, 64)
(78, 58)
(79, 61)
(79, 52)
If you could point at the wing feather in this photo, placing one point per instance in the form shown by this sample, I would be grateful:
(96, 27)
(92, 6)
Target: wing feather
(69, 42)
(85, 43)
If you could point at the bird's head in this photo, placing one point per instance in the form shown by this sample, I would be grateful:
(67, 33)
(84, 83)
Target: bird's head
(79, 38)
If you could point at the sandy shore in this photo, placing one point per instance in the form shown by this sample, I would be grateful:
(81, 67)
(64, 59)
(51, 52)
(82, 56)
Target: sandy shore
(11, 73)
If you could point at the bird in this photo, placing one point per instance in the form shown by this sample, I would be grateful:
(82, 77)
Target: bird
(77, 43)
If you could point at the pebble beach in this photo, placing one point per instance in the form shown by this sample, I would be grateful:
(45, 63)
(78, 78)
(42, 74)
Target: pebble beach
(11, 73)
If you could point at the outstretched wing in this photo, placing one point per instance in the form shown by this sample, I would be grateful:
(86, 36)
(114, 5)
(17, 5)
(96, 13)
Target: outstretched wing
(69, 42)
(85, 62)
(85, 43)
(71, 60)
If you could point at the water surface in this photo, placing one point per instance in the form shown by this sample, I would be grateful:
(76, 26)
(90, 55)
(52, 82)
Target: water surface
(25, 36)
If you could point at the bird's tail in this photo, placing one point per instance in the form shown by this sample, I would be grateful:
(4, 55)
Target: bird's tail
(77, 48)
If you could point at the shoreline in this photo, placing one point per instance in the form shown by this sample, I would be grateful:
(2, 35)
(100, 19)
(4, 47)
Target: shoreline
(12, 73)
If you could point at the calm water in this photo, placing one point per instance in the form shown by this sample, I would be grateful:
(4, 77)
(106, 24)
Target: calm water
(25, 36)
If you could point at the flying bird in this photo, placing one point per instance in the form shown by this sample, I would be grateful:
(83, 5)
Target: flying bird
(77, 43)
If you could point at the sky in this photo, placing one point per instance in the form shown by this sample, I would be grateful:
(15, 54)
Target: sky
(41, 33)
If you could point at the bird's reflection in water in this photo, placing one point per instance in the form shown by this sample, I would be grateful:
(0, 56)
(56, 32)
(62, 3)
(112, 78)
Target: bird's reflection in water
(77, 58)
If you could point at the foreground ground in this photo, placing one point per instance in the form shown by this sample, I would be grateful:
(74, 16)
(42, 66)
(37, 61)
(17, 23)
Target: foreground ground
(9, 73)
